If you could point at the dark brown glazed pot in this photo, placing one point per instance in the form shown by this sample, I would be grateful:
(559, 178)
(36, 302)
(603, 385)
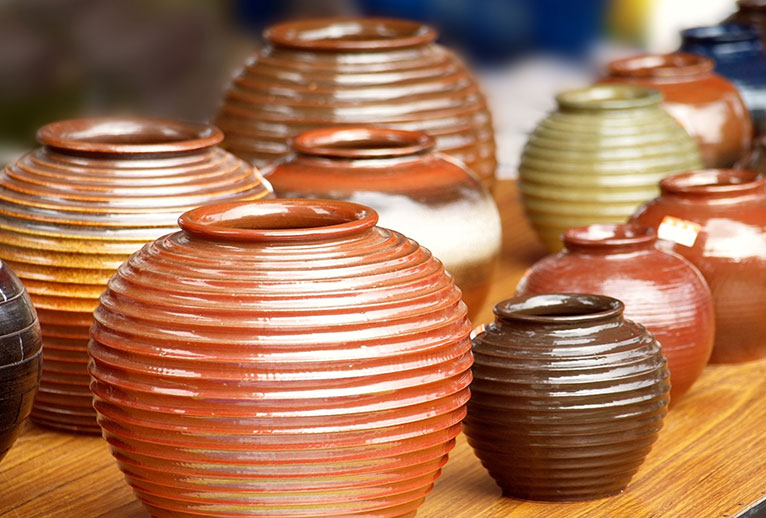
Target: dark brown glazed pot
(422, 193)
(750, 12)
(729, 207)
(20, 357)
(74, 209)
(356, 72)
(281, 358)
(661, 290)
(706, 104)
(567, 397)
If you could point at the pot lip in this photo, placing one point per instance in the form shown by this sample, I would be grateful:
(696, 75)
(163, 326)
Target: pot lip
(713, 182)
(233, 221)
(572, 308)
(327, 34)
(111, 135)
(724, 33)
(361, 142)
(675, 64)
(609, 97)
(610, 235)
(752, 4)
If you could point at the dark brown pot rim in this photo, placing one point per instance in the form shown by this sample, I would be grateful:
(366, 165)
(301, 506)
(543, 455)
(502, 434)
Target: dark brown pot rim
(361, 142)
(609, 97)
(616, 235)
(559, 308)
(677, 64)
(128, 135)
(751, 4)
(278, 220)
(349, 34)
(713, 182)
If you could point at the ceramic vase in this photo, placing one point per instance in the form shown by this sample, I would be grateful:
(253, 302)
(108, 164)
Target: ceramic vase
(598, 157)
(74, 209)
(567, 397)
(750, 12)
(661, 290)
(755, 160)
(717, 220)
(707, 105)
(281, 358)
(422, 193)
(366, 71)
(20, 357)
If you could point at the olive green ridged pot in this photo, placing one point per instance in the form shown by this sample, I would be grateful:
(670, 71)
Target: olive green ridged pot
(598, 157)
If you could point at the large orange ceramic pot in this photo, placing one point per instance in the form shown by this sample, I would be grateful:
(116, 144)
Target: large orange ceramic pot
(359, 72)
(77, 207)
(281, 358)
(415, 190)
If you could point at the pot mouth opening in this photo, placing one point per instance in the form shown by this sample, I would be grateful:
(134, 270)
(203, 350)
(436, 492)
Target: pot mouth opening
(559, 308)
(361, 142)
(726, 33)
(350, 34)
(609, 235)
(661, 65)
(713, 181)
(278, 220)
(129, 135)
(609, 97)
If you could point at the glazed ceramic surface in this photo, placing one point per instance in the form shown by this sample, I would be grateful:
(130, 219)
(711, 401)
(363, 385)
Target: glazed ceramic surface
(756, 159)
(20, 357)
(367, 71)
(750, 12)
(707, 105)
(281, 358)
(567, 397)
(729, 207)
(429, 197)
(73, 210)
(598, 157)
(660, 290)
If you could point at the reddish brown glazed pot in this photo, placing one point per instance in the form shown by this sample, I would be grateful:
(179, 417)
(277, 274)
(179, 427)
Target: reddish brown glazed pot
(567, 397)
(356, 72)
(660, 290)
(282, 358)
(73, 210)
(706, 104)
(730, 250)
(424, 194)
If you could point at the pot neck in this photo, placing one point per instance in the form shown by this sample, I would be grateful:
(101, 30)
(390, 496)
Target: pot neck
(722, 41)
(720, 184)
(559, 310)
(363, 144)
(609, 98)
(675, 67)
(610, 239)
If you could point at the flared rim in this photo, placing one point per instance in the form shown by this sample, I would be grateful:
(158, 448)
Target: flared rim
(677, 64)
(361, 142)
(713, 182)
(609, 97)
(559, 308)
(615, 235)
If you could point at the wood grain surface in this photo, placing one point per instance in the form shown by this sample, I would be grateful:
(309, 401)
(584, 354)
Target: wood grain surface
(709, 462)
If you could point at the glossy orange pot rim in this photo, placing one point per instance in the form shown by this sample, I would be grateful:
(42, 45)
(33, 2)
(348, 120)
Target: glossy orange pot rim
(713, 182)
(674, 65)
(559, 308)
(614, 235)
(361, 142)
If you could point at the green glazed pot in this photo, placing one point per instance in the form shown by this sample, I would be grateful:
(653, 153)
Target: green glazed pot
(598, 157)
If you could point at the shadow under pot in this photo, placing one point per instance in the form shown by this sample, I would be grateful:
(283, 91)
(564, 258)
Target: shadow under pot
(567, 397)
(424, 194)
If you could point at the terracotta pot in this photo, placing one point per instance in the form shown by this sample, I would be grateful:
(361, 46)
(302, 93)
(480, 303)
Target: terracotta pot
(20, 357)
(708, 106)
(750, 12)
(756, 159)
(599, 157)
(366, 71)
(281, 358)
(661, 290)
(567, 397)
(74, 209)
(727, 211)
(429, 197)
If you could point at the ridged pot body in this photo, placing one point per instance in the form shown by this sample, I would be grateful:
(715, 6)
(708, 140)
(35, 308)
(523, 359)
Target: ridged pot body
(336, 72)
(562, 410)
(729, 250)
(598, 158)
(661, 290)
(20, 357)
(706, 104)
(69, 217)
(305, 372)
(429, 197)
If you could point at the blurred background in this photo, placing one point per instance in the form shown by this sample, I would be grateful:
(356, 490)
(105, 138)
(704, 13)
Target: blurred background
(66, 58)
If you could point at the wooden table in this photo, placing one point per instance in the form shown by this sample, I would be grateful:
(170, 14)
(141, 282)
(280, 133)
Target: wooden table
(709, 462)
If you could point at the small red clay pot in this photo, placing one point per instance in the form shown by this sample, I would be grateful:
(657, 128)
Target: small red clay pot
(728, 208)
(660, 290)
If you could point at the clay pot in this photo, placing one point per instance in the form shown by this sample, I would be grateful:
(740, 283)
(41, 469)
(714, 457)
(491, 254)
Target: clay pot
(599, 157)
(74, 209)
(661, 290)
(750, 12)
(356, 72)
(567, 397)
(708, 106)
(727, 211)
(756, 159)
(429, 197)
(20, 357)
(281, 358)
